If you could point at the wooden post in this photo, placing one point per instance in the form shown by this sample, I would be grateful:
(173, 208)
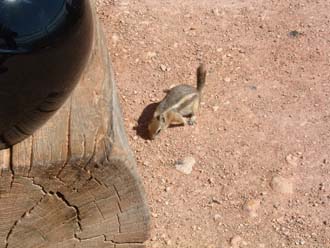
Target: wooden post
(74, 182)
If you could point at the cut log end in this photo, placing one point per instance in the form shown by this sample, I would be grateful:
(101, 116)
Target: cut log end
(99, 205)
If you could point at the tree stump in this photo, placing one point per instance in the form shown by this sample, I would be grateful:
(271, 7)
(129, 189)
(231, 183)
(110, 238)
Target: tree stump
(74, 182)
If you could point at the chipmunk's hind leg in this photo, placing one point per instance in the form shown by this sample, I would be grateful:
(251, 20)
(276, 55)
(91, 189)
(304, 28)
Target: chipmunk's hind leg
(176, 118)
(192, 118)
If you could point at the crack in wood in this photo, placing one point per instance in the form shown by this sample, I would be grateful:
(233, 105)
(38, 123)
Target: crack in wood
(68, 155)
(11, 168)
(99, 182)
(76, 209)
(93, 153)
(98, 209)
(119, 207)
(31, 156)
(84, 146)
(26, 212)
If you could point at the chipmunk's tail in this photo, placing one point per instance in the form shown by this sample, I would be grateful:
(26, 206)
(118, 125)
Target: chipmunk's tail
(201, 76)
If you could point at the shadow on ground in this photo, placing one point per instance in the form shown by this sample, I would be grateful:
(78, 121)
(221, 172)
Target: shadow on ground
(144, 119)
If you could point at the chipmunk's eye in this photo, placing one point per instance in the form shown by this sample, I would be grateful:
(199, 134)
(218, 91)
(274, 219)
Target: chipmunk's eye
(158, 117)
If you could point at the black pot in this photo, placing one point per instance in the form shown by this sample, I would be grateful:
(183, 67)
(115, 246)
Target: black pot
(44, 47)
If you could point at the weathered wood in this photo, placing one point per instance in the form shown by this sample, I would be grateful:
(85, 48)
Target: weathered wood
(74, 182)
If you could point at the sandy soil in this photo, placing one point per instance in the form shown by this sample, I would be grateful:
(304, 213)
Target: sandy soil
(262, 139)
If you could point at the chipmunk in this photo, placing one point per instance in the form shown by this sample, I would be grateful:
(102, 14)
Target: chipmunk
(179, 106)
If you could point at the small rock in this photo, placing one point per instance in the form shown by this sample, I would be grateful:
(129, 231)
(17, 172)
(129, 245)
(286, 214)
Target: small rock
(186, 165)
(252, 87)
(151, 55)
(227, 79)
(131, 125)
(215, 108)
(154, 238)
(295, 33)
(115, 39)
(301, 242)
(215, 11)
(163, 67)
(154, 215)
(215, 200)
(236, 241)
(210, 181)
(292, 160)
(168, 242)
(251, 207)
(217, 217)
(146, 163)
(282, 185)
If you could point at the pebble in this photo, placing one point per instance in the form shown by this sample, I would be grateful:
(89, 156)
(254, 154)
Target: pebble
(168, 242)
(292, 159)
(215, 108)
(295, 33)
(163, 67)
(115, 38)
(146, 163)
(215, 11)
(236, 241)
(227, 79)
(251, 207)
(186, 165)
(210, 181)
(123, 3)
(282, 185)
(151, 55)
(154, 238)
(217, 217)
(154, 215)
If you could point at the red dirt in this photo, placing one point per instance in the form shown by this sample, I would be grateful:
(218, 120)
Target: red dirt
(265, 113)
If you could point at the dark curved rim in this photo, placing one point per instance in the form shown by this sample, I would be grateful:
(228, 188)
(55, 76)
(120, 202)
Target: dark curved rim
(13, 51)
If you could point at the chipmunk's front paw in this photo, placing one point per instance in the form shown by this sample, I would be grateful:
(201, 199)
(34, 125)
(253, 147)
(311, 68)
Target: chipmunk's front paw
(191, 121)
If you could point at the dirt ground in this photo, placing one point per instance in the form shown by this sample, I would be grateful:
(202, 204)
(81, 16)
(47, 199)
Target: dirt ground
(262, 139)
